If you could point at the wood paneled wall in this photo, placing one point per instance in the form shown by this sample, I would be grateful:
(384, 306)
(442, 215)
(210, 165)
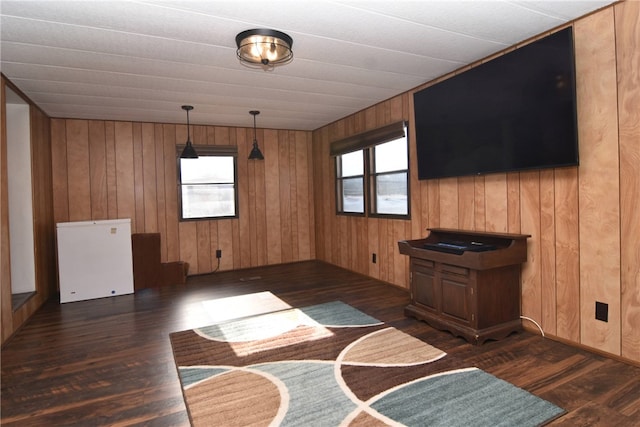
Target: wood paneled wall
(110, 170)
(44, 239)
(583, 220)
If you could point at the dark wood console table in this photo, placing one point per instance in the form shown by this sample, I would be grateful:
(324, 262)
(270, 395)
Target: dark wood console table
(467, 282)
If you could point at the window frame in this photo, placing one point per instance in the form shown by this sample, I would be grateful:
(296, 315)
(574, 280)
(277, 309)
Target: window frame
(367, 142)
(209, 151)
(373, 188)
(339, 191)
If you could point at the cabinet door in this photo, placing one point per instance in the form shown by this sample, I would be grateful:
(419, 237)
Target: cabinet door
(423, 284)
(455, 291)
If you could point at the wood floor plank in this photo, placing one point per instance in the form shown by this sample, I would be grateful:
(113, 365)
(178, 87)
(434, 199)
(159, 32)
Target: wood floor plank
(109, 361)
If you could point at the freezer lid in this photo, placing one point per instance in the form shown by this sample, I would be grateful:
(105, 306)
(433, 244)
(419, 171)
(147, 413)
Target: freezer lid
(105, 222)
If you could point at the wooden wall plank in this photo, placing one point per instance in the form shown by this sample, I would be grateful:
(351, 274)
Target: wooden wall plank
(466, 203)
(598, 179)
(513, 203)
(373, 245)
(226, 243)
(149, 179)
(628, 65)
(172, 134)
(383, 251)
(112, 180)
(59, 165)
(311, 194)
(138, 178)
(44, 226)
(531, 286)
(284, 197)
(567, 254)
(262, 203)
(433, 190)
(400, 273)
(6, 309)
(125, 184)
(237, 244)
(188, 244)
(448, 214)
(548, 297)
(246, 200)
(161, 197)
(214, 244)
(271, 163)
(293, 194)
(418, 196)
(325, 197)
(304, 195)
(496, 203)
(98, 170)
(204, 253)
(79, 176)
(480, 204)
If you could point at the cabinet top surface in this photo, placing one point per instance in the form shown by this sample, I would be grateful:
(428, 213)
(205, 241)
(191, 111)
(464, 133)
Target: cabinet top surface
(502, 248)
(453, 232)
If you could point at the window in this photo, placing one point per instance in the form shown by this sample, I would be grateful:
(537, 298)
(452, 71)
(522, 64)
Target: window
(350, 182)
(208, 185)
(372, 172)
(389, 178)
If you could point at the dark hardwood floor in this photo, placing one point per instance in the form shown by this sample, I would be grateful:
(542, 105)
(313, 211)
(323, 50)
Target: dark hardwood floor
(109, 361)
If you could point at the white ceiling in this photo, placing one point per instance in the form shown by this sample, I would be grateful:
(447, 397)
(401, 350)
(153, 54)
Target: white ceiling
(142, 60)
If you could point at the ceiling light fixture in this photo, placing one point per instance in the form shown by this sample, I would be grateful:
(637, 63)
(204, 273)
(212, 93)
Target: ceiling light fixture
(264, 48)
(255, 154)
(189, 152)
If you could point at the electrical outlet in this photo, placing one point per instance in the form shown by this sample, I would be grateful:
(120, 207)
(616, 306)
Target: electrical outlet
(218, 253)
(373, 258)
(602, 311)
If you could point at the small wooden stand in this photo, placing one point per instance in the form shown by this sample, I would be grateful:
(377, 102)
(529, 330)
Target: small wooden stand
(473, 293)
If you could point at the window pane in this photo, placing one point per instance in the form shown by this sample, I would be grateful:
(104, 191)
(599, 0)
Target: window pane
(391, 194)
(211, 200)
(352, 163)
(207, 169)
(353, 195)
(391, 156)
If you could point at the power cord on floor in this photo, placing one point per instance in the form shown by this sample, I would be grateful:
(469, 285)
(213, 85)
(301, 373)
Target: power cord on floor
(536, 323)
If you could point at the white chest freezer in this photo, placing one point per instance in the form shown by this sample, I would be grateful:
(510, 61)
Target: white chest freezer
(94, 259)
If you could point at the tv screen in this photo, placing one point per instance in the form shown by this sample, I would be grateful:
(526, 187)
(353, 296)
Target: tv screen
(515, 112)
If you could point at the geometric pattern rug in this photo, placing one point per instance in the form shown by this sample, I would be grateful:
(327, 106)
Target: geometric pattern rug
(333, 365)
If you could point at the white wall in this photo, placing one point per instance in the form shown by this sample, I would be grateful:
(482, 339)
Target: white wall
(20, 196)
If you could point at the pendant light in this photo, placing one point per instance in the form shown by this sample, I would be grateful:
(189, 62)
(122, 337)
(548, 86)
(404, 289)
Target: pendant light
(189, 152)
(255, 154)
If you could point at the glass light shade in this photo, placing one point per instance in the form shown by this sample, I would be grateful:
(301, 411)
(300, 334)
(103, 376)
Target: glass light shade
(264, 47)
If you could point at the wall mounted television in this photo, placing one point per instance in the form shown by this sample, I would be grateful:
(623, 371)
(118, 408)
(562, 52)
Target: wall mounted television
(515, 112)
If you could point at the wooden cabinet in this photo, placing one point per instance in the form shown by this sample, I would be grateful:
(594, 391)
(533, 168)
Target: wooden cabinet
(470, 285)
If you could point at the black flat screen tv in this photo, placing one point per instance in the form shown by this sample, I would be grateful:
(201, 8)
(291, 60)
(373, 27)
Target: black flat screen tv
(515, 112)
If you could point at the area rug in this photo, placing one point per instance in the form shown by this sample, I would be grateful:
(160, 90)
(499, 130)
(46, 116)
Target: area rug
(333, 365)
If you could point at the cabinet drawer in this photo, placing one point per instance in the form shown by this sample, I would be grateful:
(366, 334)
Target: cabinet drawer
(423, 263)
(454, 269)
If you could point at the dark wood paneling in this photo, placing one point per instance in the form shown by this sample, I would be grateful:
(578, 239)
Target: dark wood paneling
(129, 170)
(583, 220)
